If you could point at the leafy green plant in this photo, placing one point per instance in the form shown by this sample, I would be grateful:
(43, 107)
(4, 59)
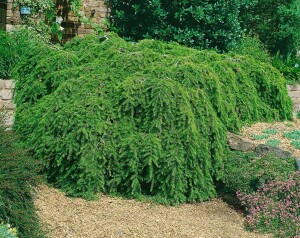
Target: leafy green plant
(178, 21)
(270, 131)
(247, 173)
(18, 175)
(273, 142)
(6, 231)
(288, 66)
(295, 134)
(296, 144)
(13, 46)
(252, 46)
(298, 114)
(260, 137)
(276, 22)
(140, 119)
(289, 124)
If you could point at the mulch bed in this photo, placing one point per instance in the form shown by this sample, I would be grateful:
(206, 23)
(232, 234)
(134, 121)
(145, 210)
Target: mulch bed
(66, 217)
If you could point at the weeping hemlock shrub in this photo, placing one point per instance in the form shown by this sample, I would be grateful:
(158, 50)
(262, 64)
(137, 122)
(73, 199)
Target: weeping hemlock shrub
(142, 119)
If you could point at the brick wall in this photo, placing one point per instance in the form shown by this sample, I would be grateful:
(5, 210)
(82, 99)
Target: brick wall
(6, 99)
(9, 18)
(93, 9)
(294, 93)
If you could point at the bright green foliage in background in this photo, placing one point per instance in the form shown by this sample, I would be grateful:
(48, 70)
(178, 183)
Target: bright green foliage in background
(276, 22)
(200, 24)
(140, 119)
(210, 24)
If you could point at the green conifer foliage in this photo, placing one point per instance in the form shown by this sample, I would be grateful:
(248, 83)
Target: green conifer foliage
(144, 119)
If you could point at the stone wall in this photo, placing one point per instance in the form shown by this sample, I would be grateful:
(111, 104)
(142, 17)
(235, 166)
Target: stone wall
(9, 18)
(96, 10)
(294, 93)
(6, 99)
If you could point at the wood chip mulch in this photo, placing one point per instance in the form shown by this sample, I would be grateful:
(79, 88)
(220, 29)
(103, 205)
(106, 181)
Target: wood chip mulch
(282, 127)
(66, 217)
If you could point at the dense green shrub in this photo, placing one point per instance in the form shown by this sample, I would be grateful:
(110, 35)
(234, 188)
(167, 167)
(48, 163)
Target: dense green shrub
(201, 24)
(246, 173)
(210, 24)
(289, 67)
(18, 175)
(142, 119)
(276, 22)
(12, 47)
(253, 47)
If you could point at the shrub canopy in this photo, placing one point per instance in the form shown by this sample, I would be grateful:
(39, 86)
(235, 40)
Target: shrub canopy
(199, 24)
(146, 118)
(209, 23)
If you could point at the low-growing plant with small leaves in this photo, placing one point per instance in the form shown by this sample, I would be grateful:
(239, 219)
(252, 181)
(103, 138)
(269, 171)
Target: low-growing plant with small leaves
(260, 137)
(289, 124)
(273, 142)
(298, 114)
(247, 173)
(270, 131)
(296, 144)
(295, 135)
(6, 231)
(275, 207)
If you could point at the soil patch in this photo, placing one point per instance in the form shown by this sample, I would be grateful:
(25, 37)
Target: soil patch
(115, 217)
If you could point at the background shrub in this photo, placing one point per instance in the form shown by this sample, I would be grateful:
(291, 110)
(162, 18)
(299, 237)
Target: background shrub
(210, 24)
(142, 119)
(274, 208)
(200, 24)
(277, 23)
(12, 47)
(18, 175)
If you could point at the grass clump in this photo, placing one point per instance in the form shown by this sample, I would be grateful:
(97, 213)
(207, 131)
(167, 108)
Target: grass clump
(295, 135)
(270, 131)
(296, 144)
(145, 119)
(18, 175)
(273, 142)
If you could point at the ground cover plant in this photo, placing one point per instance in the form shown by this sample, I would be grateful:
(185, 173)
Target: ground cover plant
(140, 119)
(260, 137)
(295, 134)
(275, 207)
(6, 231)
(18, 175)
(273, 142)
(247, 173)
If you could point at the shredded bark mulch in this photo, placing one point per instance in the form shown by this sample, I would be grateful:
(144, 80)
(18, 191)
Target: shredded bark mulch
(66, 217)
(281, 127)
